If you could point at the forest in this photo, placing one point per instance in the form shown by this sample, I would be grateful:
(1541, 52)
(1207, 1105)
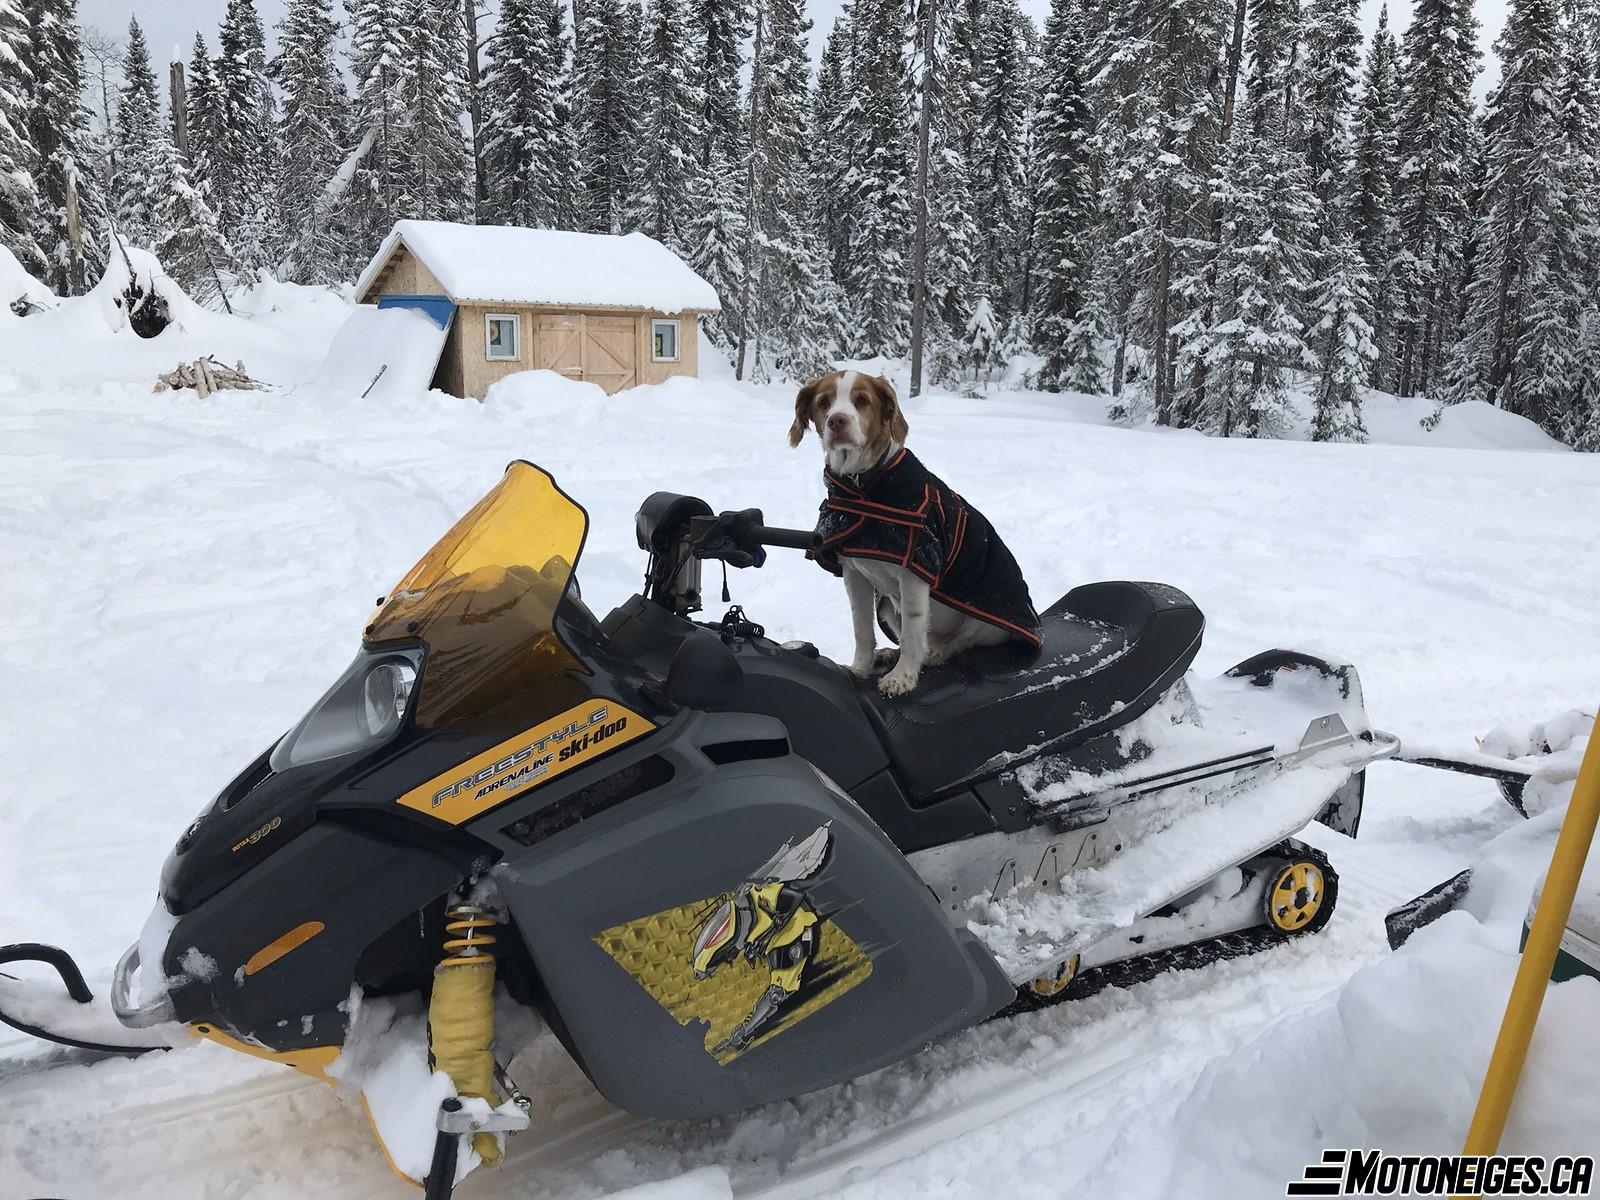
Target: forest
(1209, 211)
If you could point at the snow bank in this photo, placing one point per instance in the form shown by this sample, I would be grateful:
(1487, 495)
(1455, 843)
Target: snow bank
(20, 290)
(1395, 1061)
(1473, 425)
(93, 338)
(512, 265)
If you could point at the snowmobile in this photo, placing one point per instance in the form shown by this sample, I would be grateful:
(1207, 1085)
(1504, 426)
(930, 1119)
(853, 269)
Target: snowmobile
(723, 870)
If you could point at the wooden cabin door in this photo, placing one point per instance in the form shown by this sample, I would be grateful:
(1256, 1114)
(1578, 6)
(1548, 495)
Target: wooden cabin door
(611, 351)
(561, 343)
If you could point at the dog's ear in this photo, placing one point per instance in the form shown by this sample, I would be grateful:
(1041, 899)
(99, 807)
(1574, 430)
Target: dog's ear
(803, 401)
(894, 417)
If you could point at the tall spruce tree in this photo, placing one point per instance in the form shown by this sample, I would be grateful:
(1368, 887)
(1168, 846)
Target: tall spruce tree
(528, 148)
(138, 136)
(1000, 87)
(1160, 113)
(1342, 338)
(1066, 320)
(19, 197)
(69, 220)
(719, 27)
(438, 161)
(1437, 141)
(1332, 62)
(243, 163)
(189, 243)
(1524, 297)
(792, 325)
(1375, 165)
(832, 133)
(669, 138)
(1264, 263)
(205, 117)
(878, 184)
(380, 127)
(313, 134)
(605, 109)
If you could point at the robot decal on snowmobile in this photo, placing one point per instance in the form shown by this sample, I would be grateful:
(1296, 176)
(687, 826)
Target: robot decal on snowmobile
(767, 917)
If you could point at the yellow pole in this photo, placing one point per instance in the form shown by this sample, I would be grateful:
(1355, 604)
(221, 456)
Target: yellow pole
(1538, 956)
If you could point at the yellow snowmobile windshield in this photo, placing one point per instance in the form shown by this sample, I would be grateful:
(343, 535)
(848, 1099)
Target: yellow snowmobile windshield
(483, 601)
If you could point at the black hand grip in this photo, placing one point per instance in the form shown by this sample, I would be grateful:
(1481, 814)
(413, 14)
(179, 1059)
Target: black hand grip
(790, 539)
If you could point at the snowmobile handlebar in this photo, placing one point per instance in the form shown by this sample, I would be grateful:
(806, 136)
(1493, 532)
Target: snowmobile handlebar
(740, 538)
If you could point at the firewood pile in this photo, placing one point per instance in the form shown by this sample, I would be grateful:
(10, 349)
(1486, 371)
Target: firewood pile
(205, 375)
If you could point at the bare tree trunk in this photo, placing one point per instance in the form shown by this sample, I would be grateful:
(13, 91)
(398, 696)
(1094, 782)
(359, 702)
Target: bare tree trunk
(919, 251)
(757, 86)
(75, 273)
(180, 109)
(469, 15)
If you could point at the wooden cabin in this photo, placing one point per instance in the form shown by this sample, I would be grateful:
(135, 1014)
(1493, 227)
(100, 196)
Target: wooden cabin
(617, 311)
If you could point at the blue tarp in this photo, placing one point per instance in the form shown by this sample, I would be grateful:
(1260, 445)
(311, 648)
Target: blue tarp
(439, 308)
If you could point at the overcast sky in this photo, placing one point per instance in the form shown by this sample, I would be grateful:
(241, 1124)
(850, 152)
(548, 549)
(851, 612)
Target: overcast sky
(172, 23)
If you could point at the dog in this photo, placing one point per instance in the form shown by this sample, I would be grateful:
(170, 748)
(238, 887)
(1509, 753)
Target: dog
(914, 556)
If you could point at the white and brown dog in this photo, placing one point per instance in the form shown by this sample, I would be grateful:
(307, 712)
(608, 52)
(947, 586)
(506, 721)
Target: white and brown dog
(913, 554)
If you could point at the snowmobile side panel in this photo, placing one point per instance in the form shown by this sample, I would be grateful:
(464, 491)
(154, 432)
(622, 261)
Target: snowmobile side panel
(686, 986)
(352, 881)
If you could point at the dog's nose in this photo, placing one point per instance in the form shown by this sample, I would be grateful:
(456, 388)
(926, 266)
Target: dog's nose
(838, 422)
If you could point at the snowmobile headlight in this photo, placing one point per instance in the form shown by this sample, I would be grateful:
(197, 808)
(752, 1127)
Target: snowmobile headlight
(364, 709)
(388, 690)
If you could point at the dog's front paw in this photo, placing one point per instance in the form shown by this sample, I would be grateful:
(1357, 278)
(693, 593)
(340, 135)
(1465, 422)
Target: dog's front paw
(897, 682)
(861, 668)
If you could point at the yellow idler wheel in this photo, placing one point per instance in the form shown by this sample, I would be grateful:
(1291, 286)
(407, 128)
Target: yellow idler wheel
(1300, 896)
(1048, 986)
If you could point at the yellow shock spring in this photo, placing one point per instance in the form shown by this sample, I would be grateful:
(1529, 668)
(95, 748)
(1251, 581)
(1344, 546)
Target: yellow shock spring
(466, 941)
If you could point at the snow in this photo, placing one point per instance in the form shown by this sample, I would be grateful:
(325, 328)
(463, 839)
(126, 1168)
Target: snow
(381, 353)
(511, 265)
(189, 575)
(19, 288)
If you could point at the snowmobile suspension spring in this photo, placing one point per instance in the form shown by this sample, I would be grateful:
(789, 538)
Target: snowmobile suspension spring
(467, 936)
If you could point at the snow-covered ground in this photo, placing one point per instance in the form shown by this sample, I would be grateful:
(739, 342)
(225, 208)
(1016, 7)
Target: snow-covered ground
(185, 577)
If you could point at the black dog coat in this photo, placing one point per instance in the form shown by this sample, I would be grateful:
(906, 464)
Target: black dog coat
(903, 513)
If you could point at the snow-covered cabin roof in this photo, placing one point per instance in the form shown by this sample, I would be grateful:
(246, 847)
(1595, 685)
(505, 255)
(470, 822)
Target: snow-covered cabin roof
(506, 264)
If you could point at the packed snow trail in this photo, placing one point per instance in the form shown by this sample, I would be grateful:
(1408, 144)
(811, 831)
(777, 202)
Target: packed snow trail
(190, 577)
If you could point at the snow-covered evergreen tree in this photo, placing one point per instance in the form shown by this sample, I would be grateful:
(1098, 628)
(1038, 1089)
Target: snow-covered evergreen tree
(19, 197)
(190, 243)
(719, 245)
(138, 136)
(205, 113)
(1583, 433)
(719, 26)
(380, 126)
(313, 134)
(669, 138)
(1066, 230)
(1342, 338)
(878, 185)
(243, 163)
(1000, 99)
(63, 151)
(1521, 300)
(1264, 262)
(527, 134)
(1332, 60)
(793, 323)
(438, 160)
(1437, 145)
(1159, 109)
(1376, 163)
(605, 109)
(832, 134)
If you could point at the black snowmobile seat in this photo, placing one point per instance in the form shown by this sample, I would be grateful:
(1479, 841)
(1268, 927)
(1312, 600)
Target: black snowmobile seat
(1109, 651)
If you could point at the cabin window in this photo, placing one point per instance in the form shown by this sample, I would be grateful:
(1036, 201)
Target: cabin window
(502, 336)
(664, 341)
